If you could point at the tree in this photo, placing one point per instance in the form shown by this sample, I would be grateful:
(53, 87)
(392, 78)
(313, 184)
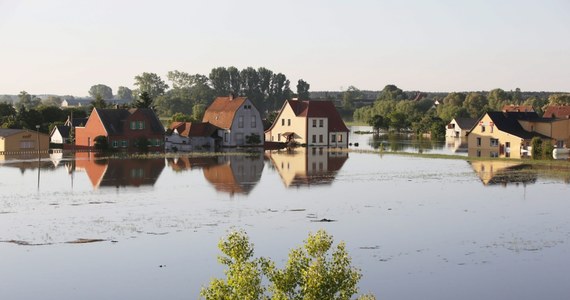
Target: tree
(101, 90)
(28, 101)
(348, 97)
(99, 102)
(303, 90)
(180, 117)
(559, 99)
(311, 272)
(476, 104)
(234, 79)
(150, 83)
(220, 80)
(144, 101)
(101, 143)
(497, 98)
(124, 93)
(52, 101)
(392, 93)
(398, 121)
(378, 122)
(198, 111)
(536, 144)
(253, 139)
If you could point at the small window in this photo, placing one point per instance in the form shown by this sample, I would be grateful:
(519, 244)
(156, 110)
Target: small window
(240, 122)
(115, 144)
(482, 128)
(321, 123)
(479, 142)
(494, 142)
(282, 122)
(339, 138)
(133, 125)
(124, 143)
(314, 138)
(279, 137)
(320, 138)
(253, 122)
(478, 153)
(314, 123)
(333, 138)
(288, 122)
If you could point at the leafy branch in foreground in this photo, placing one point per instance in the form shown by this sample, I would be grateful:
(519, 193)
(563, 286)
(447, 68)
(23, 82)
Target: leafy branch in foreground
(311, 272)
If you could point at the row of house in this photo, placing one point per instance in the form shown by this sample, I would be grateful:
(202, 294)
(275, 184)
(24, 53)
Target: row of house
(227, 122)
(508, 133)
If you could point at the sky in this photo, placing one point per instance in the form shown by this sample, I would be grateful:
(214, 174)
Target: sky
(65, 46)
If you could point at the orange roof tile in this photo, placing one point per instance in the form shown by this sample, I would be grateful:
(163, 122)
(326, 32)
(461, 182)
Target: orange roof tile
(557, 111)
(222, 111)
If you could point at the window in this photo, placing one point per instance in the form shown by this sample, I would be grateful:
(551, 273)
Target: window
(482, 128)
(226, 137)
(240, 122)
(137, 125)
(314, 138)
(321, 123)
(253, 122)
(279, 137)
(494, 142)
(478, 153)
(282, 122)
(124, 143)
(494, 154)
(314, 123)
(479, 142)
(491, 130)
(508, 145)
(27, 145)
(333, 138)
(314, 151)
(288, 122)
(115, 144)
(320, 138)
(339, 138)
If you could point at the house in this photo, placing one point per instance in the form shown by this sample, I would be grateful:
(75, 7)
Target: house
(76, 102)
(306, 166)
(313, 123)
(557, 111)
(23, 140)
(500, 134)
(517, 108)
(459, 127)
(60, 134)
(238, 121)
(122, 128)
(187, 136)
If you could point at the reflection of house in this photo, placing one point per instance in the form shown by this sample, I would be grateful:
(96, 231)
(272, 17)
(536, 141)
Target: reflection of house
(235, 173)
(457, 145)
(119, 172)
(459, 127)
(22, 140)
(503, 172)
(307, 166)
(237, 119)
(186, 136)
(500, 134)
(123, 128)
(315, 123)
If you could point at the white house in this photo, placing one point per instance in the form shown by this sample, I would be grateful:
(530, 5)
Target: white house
(186, 136)
(313, 123)
(59, 134)
(459, 127)
(238, 120)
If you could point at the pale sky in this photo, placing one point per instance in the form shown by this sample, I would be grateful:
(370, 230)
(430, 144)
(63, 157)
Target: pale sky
(66, 46)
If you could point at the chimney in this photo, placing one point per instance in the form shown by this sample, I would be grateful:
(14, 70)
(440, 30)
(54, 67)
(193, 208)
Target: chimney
(232, 96)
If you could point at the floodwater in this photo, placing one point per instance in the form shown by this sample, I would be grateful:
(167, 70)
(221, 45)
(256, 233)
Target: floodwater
(85, 227)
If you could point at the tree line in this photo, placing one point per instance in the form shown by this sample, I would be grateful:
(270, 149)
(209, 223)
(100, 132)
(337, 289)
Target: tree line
(423, 113)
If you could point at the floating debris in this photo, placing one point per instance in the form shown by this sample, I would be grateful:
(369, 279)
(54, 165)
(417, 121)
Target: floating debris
(297, 209)
(370, 247)
(85, 241)
(323, 220)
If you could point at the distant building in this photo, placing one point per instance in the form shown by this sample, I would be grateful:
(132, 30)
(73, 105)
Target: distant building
(22, 140)
(312, 123)
(517, 108)
(459, 127)
(187, 136)
(123, 129)
(237, 120)
(557, 112)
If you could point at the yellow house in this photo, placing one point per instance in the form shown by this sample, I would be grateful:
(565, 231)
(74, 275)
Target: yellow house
(312, 123)
(501, 172)
(22, 141)
(307, 166)
(557, 129)
(500, 134)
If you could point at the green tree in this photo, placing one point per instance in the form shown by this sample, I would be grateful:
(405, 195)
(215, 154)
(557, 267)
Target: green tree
(303, 90)
(497, 98)
(198, 111)
(378, 122)
(314, 271)
(150, 83)
(536, 151)
(28, 101)
(99, 102)
(144, 101)
(392, 93)
(234, 79)
(398, 121)
(101, 90)
(349, 96)
(253, 139)
(475, 104)
(124, 93)
(180, 117)
(52, 101)
(220, 80)
(101, 143)
(559, 99)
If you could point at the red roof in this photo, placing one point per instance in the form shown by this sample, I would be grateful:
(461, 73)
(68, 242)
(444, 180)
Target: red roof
(517, 108)
(189, 129)
(557, 111)
(319, 109)
(222, 111)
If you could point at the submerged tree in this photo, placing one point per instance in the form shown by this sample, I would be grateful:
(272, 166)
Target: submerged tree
(312, 272)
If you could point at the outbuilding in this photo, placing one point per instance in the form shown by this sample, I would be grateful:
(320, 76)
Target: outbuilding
(22, 140)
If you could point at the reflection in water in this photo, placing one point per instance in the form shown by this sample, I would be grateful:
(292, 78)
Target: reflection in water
(109, 172)
(504, 172)
(307, 166)
(404, 143)
(233, 174)
(456, 145)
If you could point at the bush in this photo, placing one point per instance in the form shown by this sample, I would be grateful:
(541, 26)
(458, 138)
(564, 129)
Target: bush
(101, 143)
(536, 144)
(311, 272)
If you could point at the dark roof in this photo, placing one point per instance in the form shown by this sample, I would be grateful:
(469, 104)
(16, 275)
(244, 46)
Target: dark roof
(509, 122)
(63, 130)
(8, 132)
(114, 119)
(466, 123)
(319, 109)
(76, 122)
(557, 111)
